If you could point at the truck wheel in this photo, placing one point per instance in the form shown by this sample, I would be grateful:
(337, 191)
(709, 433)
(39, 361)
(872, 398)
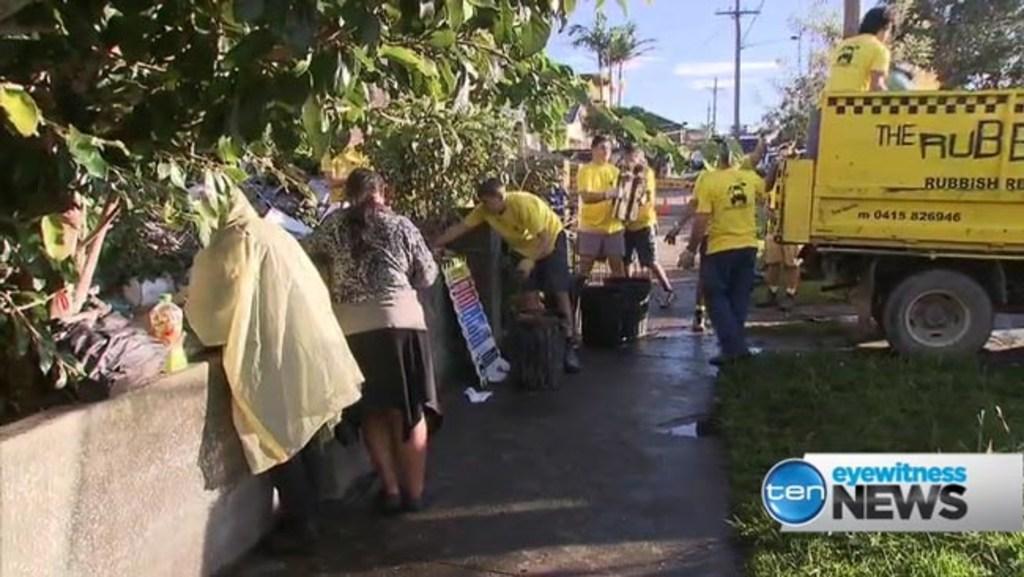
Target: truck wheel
(938, 311)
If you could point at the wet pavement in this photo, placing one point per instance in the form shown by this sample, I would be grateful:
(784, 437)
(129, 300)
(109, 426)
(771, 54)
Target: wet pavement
(575, 482)
(579, 481)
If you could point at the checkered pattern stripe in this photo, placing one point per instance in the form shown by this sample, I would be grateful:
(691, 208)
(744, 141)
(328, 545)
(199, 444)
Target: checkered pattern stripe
(915, 105)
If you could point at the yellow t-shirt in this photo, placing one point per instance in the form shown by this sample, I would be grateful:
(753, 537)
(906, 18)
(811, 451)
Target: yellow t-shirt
(854, 60)
(648, 216)
(599, 217)
(730, 196)
(526, 216)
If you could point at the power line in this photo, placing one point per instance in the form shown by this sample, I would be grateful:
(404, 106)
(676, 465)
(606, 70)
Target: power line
(752, 22)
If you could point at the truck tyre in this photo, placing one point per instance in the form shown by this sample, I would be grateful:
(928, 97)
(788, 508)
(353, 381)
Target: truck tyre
(938, 311)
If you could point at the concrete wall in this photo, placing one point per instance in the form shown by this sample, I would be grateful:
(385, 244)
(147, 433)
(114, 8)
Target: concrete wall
(150, 483)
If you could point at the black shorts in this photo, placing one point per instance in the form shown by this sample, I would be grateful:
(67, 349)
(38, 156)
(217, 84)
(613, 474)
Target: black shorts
(644, 245)
(551, 274)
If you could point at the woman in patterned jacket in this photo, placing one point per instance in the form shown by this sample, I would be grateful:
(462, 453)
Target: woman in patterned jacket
(376, 261)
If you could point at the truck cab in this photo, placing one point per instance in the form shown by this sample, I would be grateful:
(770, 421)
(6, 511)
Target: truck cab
(916, 199)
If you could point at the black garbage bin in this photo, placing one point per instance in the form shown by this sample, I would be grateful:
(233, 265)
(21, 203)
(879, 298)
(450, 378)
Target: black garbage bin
(615, 312)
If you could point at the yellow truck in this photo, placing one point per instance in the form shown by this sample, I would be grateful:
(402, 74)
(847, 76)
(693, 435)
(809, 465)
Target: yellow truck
(916, 199)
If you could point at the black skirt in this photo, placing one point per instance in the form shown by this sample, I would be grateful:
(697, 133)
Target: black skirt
(399, 373)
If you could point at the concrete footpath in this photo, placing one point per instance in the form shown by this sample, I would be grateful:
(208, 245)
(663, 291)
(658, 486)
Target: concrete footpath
(580, 481)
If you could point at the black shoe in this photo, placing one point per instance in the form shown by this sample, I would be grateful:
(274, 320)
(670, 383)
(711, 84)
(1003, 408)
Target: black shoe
(727, 360)
(699, 323)
(787, 302)
(416, 505)
(389, 504)
(293, 537)
(771, 302)
(572, 359)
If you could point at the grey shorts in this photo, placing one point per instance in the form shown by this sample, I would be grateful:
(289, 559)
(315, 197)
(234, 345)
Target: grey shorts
(642, 245)
(600, 245)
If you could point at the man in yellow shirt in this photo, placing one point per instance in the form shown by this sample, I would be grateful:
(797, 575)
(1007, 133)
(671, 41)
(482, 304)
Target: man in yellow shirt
(600, 233)
(727, 213)
(533, 231)
(858, 64)
(861, 63)
(641, 237)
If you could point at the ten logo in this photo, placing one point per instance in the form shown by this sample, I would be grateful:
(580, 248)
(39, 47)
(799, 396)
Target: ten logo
(794, 492)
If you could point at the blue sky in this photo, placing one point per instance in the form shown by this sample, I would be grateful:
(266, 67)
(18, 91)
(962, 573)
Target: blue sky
(693, 45)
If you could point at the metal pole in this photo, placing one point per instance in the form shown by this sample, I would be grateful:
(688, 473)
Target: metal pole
(737, 14)
(851, 18)
(739, 57)
(714, 109)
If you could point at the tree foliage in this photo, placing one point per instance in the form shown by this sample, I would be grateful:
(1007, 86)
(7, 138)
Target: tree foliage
(973, 44)
(626, 46)
(433, 155)
(799, 93)
(113, 108)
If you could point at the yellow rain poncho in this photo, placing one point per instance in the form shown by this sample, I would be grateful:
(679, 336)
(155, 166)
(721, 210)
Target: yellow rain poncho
(254, 291)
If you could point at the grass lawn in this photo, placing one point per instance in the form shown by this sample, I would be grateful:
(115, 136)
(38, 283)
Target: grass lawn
(781, 406)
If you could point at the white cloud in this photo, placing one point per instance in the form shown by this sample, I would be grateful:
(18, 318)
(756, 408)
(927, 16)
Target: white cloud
(641, 61)
(706, 69)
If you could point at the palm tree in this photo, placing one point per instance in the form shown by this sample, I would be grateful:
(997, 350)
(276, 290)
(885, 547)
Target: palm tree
(597, 39)
(624, 47)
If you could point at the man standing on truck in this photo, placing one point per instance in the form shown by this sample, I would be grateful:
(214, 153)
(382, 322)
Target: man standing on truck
(601, 235)
(861, 63)
(727, 213)
(858, 64)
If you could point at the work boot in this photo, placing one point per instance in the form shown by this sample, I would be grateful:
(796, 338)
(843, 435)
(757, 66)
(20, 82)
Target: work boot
(699, 322)
(572, 358)
(771, 302)
(787, 302)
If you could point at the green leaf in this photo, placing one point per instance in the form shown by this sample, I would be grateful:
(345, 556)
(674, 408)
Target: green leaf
(21, 339)
(253, 46)
(456, 12)
(635, 128)
(443, 38)
(227, 150)
(21, 109)
(502, 27)
(568, 6)
(484, 4)
(535, 34)
(409, 58)
(177, 176)
(86, 153)
(55, 242)
(312, 121)
(236, 174)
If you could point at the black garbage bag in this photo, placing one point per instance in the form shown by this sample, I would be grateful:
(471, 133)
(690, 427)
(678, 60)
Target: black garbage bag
(116, 355)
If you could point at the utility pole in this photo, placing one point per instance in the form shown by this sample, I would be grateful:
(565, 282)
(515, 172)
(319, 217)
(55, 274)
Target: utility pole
(851, 18)
(737, 14)
(713, 107)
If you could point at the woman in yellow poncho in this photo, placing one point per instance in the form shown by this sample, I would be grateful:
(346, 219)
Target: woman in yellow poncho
(254, 291)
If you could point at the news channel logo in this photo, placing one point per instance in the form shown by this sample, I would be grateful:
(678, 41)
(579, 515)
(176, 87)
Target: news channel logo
(940, 493)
